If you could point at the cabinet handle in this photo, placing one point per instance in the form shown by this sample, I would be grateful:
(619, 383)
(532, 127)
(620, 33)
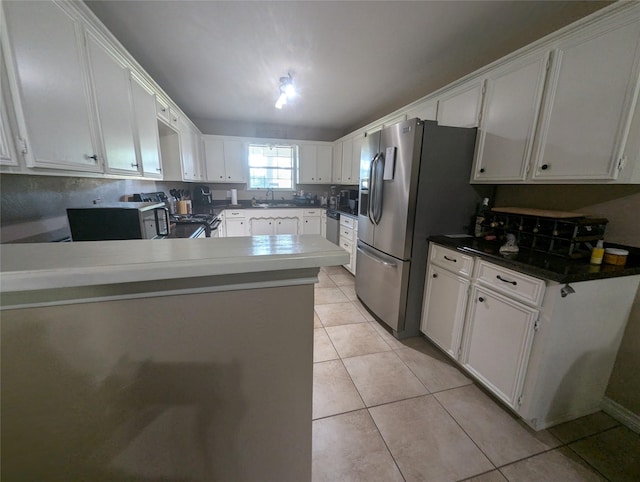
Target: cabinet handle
(158, 169)
(451, 259)
(94, 157)
(514, 283)
(544, 167)
(481, 169)
(481, 299)
(434, 275)
(134, 165)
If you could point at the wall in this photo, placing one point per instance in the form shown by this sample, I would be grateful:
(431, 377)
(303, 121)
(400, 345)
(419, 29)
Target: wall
(620, 205)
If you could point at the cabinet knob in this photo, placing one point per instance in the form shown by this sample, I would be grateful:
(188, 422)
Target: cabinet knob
(481, 299)
(481, 170)
(435, 275)
(544, 167)
(94, 157)
(158, 169)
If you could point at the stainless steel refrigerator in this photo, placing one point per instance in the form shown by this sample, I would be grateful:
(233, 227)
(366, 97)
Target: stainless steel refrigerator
(414, 182)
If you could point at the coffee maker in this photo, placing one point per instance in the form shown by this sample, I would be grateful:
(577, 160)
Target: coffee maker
(202, 197)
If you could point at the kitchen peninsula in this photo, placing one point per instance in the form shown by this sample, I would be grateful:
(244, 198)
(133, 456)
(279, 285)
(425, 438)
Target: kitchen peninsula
(160, 359)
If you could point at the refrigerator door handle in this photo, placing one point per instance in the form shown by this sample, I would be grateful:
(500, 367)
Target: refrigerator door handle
(372, 189)
(375, 258)
(379, 185)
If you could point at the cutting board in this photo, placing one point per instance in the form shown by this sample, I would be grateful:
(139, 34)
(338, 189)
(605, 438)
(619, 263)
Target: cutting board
(543, 213)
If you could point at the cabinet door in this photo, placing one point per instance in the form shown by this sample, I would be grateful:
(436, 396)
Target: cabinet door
(214, 159)
(347, 162)
(235, 227)
(356, 150)
(235, 161)
(323, 224)
(307, 162)
(261, 226)
(311, 225)
(110, 79)
(287, 226)
(588, 107)
(144, 107)
(443, 309)
(323, 164)
(336, 163)
(54, 102)
(8, 154)
(497, 342)
(187, 151)
(461, 107)
(509, 119)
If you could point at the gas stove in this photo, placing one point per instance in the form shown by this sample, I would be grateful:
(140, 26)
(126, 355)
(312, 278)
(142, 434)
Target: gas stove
(209, 221)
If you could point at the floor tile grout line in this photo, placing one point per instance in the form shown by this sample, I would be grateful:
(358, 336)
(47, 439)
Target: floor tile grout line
(387, 445)
(465, 432)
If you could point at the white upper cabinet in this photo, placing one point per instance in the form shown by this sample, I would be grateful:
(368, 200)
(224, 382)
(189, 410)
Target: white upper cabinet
(192, 165)
(588, 107)
(426, 110)
(144, 107)
(314, 164)
(461, 106)
(225, 159)
(54, 105)
(509, 118)
(110, 78)
(336, 163)
(8, 154)
(351, 159)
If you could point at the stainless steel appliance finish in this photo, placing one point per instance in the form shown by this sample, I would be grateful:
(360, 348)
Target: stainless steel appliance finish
(117, 221)
(414, 182)
(333, 226)
(210, 222)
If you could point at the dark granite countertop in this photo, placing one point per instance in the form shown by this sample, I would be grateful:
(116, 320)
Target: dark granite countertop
(543, 265)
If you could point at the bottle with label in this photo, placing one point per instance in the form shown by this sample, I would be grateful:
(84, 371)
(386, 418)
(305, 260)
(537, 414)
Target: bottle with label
(597, 253)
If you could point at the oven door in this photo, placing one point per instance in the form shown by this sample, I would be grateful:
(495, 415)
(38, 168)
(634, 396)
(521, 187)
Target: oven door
(155, 223)
(215, 232)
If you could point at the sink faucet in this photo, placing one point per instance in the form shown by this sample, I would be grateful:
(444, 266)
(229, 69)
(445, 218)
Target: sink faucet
(269, 190)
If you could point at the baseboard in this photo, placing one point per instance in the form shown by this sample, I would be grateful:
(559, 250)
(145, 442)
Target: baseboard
(621, 414)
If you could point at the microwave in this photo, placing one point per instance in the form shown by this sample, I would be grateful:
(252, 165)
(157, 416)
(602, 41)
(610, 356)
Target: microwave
(116, 221)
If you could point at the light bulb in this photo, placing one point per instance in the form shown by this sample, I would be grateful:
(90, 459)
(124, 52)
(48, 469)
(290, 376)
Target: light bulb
(282, 100)
(290, 90)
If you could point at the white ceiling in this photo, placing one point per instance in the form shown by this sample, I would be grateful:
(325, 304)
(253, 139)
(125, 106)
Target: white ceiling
(352, 61)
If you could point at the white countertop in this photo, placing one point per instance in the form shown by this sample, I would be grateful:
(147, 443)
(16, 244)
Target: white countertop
(37, 266)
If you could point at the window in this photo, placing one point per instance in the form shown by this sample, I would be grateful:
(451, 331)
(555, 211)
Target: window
(271, 166)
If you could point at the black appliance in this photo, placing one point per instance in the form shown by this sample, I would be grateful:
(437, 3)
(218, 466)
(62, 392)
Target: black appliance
(117, 221)
(202, 197)
(348, 201)
(209, 221)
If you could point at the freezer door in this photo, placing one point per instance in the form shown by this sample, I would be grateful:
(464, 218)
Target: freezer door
(368, 152)
(381, 284)
(394, 189)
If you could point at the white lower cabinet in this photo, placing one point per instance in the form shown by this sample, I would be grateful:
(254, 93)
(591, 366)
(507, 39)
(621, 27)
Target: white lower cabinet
(545, 351)
(445, 300)
(349, 240)
(312, 221)
(497, 341)
(235, 223)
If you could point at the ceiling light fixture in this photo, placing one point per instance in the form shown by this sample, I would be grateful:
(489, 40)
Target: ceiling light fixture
(287, 91)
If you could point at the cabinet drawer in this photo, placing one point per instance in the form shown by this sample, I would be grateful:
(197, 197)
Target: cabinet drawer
(230, 213)
(311, 212)
(346, 245)
(517, 285)
(452, 260)
(346, 233)
(348, 222)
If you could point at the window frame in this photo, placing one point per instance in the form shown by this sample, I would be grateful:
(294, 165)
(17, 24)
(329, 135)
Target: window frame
(293, 168)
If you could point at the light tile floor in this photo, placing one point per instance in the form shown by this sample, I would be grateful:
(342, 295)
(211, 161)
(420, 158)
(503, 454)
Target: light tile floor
(385, 410)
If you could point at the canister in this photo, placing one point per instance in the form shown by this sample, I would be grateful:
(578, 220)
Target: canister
(615, 256)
